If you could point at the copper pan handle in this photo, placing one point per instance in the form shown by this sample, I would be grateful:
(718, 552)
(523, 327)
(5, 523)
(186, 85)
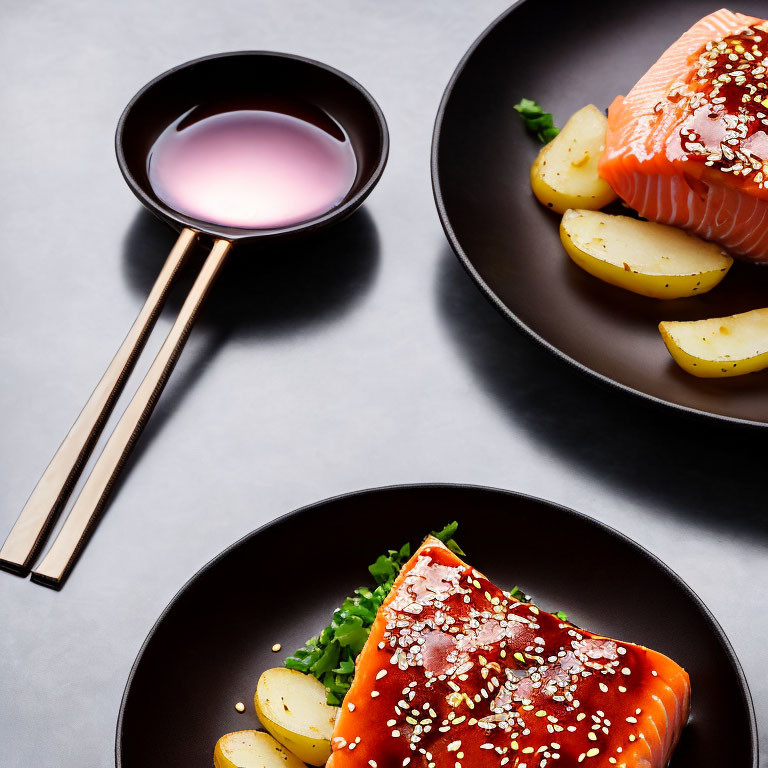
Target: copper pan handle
(54, 487)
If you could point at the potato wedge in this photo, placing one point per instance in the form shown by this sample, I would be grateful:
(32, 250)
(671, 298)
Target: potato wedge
(292, 707)
(642, 256)
(252, 749)
(564, 175)
(719, 346)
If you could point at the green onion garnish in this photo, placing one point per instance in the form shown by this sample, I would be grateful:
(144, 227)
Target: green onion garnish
(537, 121)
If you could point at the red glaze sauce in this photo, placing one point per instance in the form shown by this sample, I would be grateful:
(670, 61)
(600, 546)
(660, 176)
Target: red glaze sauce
(727, 103)
(456, 674)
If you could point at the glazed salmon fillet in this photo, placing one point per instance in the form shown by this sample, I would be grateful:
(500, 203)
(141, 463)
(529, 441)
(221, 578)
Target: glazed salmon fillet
(458, 674)
(688, 145)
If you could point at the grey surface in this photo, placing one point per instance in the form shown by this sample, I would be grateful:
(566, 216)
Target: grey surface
(305, 378)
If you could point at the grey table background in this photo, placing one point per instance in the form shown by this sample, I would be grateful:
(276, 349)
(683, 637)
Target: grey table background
(365, 359)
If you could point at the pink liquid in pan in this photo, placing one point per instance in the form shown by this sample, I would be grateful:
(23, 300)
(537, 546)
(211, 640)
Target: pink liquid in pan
(252, 168)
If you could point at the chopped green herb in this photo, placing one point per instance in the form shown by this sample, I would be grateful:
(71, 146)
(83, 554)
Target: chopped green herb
(446, 536)
(346, 668)
(562, 615)
(517, 594)
(330, 657)
(537, 121)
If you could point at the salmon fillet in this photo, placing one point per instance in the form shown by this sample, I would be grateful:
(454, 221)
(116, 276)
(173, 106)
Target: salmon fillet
(689, 145)
(456, 673)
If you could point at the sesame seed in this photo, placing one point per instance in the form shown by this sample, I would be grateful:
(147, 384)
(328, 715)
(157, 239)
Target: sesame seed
(592, 752)
(374, 694)
(240, 707)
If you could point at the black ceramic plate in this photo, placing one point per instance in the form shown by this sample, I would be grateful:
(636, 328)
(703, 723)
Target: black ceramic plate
(566, 55)
(282, 582)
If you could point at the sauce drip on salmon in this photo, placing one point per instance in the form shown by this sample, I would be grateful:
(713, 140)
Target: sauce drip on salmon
(728, 104)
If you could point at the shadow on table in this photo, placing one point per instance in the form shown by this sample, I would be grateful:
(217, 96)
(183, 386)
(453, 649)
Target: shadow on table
(709, 471)
(265, 292)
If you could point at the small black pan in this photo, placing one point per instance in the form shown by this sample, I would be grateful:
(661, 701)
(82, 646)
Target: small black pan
(246, 79)
(238, 78)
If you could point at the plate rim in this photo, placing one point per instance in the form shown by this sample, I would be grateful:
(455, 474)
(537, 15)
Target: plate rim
(588, 519)
(508, 313)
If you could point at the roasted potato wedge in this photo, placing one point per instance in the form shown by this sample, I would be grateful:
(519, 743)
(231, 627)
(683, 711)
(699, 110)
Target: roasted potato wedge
(292, 707)
(564, 175)
(642, 256)
(719, 346)
(252, 749)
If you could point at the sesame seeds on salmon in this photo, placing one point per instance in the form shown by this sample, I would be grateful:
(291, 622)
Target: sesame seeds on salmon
(688, 145)
(457, 673)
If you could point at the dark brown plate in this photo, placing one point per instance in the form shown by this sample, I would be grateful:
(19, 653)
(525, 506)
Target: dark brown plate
(282, 582)
(566, 55)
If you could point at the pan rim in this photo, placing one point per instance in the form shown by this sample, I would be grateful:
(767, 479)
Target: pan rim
(236, 234)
